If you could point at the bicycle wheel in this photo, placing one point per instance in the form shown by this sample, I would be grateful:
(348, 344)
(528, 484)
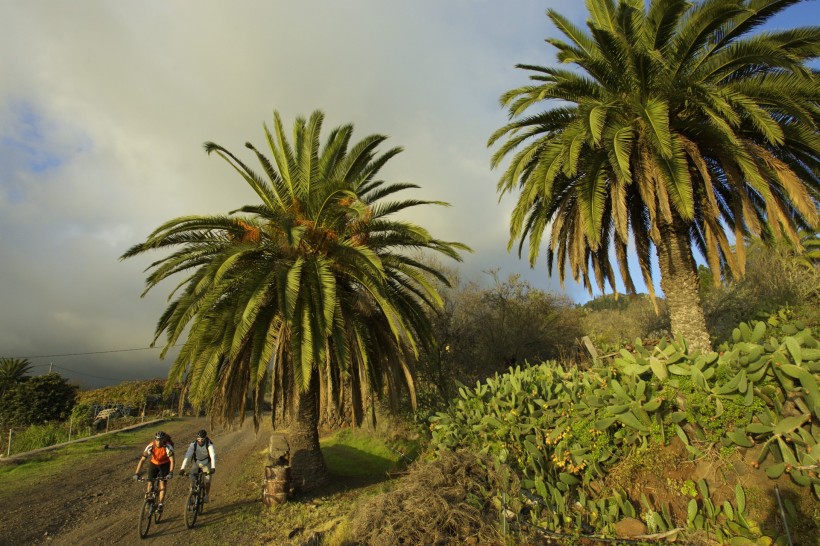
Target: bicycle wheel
(191, 509)
(145, 517)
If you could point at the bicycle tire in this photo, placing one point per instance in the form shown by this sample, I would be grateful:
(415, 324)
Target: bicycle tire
(145, 517)
(191, 509)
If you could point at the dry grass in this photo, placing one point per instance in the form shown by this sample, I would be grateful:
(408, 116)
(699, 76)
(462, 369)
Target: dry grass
(437, 503)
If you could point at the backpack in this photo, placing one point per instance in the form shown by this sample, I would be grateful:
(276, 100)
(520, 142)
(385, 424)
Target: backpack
(206, 445)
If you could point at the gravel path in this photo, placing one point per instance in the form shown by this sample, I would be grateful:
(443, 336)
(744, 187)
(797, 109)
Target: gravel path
(97, 502)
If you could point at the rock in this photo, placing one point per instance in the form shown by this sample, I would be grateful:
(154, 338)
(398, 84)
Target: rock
(630, 527)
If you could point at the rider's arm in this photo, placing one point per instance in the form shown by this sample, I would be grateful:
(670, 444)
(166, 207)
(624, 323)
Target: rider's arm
(140, 462)
(189, 455)
(212, 453)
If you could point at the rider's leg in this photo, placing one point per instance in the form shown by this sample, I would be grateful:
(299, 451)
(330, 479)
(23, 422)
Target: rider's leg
(163, 473)
(208, 480)
(153, 471)
(193, 474)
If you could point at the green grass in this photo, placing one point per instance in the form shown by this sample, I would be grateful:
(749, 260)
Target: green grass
(356, 454)
(358, 461)
(16, 476)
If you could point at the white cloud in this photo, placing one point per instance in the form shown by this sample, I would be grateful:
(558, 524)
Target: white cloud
(104, 107)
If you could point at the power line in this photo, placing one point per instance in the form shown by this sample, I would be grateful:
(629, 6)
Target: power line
(79, 373)
(88, 353)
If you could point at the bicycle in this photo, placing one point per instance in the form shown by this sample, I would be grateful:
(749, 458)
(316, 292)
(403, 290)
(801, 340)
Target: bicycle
(149, 509)
(196, 500)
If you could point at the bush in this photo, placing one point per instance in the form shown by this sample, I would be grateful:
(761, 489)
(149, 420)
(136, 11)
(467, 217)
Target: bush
(82, 415)
(565, 431)
(438, 502)
(611, 321)
(37, 400)
(775, 278)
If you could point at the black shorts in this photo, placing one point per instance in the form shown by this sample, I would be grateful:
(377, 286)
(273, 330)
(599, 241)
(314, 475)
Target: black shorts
(158, 470)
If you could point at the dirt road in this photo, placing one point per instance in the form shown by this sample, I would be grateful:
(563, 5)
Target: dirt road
(96, 501)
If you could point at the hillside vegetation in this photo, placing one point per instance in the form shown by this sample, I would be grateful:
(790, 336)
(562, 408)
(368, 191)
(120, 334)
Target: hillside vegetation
(678, 441)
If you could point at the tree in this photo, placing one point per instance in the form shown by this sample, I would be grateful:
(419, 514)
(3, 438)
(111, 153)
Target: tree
(484, 331)
(612, 322)
(13, 371)
(314, 285)
(678, 130)
(39, 399)
(775, 278)
(512, 323)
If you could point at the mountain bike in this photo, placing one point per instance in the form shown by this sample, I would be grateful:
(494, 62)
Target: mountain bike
(196, 500)
(150, 506)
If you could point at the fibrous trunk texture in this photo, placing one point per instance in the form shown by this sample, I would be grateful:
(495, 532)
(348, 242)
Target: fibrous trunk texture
(307, 464)
(680, 285)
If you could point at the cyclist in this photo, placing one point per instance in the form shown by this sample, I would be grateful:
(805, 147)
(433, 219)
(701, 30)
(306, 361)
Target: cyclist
(161, 463)
(202, 456)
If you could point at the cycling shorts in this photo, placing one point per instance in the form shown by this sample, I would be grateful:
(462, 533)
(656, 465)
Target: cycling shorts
(160, 470)
(204, 467)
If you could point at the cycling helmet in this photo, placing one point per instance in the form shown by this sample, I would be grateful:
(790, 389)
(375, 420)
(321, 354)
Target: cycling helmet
(160, 436)
(202, 434)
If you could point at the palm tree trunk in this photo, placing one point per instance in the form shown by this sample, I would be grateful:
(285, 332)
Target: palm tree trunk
(308, 468)
(681, 285)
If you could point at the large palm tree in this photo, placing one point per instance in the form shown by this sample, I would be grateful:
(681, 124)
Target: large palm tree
(13, 371)
(678, 129)
(312, 289)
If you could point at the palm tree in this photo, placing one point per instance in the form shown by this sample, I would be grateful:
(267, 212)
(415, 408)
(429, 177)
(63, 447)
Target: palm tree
(810, 257)
(315, 287)
(678, 129)
(13, 371)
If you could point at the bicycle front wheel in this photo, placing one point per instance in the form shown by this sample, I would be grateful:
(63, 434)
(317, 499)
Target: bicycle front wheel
(191, 509)
(145, 517)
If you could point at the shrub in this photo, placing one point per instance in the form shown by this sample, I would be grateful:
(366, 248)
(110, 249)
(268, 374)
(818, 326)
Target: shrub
(564, 431)
(37, 400)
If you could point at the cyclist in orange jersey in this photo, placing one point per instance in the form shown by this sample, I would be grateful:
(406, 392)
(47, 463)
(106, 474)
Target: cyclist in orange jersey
(160, 456)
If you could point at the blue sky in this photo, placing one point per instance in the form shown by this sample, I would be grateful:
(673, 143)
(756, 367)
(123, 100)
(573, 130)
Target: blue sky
(104, 107)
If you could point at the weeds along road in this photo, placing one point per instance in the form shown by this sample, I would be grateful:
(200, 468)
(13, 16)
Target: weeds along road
(91, 498)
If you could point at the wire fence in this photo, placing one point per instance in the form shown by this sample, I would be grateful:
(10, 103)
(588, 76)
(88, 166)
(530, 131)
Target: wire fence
(104, 417)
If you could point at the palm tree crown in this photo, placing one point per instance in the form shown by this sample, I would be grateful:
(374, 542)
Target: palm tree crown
(315, 287)
(13, 370)
(677, 129)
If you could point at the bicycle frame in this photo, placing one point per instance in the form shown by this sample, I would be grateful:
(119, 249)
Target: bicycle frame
(195, 501)
(149, 511)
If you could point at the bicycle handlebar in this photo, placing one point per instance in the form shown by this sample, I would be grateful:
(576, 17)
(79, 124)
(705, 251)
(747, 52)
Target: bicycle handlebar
(157, 479)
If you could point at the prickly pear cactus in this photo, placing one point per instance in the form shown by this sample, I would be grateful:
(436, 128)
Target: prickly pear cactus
(563, 430)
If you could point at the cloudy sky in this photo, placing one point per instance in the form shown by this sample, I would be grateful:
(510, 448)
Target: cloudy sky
(104, 107)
